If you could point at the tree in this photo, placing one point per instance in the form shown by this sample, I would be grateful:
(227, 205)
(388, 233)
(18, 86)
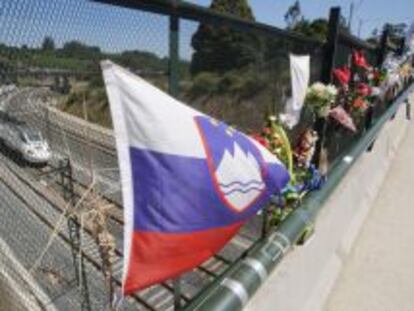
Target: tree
(396, 32)
(293, 15)
(317, 28)
(80, 50)
(48, 44)
(219, 48)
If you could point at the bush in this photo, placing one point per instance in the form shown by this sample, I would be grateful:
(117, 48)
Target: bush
(205, 83)
(247, 84)
(242, 84)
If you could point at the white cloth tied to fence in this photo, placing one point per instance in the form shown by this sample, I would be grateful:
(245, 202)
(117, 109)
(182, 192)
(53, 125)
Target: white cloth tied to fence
(300, 75)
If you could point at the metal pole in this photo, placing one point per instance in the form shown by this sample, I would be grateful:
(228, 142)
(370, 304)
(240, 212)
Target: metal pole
(74, 235)
(383, 47)
(408, 110)
(232, 291)
(401, 46)
(381, 52)
(351, 15)
(173, 84)
(173, 74)
(326, 74)
(331, 45)
(361, 22)
(266, 221)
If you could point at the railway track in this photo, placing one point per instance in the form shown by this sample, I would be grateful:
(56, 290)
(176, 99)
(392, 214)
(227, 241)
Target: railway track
(159, 297)
(16, 179)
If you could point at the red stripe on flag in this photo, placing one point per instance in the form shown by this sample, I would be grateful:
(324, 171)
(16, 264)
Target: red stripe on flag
(156, 257)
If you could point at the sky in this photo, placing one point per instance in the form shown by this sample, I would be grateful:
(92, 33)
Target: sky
(116, 29)
(374, 13)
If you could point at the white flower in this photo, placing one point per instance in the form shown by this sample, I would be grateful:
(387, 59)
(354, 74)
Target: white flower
(287, 120)
(272, 118)
(376, 91)
(318, 88)
(331, 90)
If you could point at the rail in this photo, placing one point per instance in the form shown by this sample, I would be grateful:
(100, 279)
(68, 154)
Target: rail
(233, 290)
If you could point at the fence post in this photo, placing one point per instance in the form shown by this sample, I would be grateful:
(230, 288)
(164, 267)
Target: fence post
(173, 88)
(401, 46)
(381, 52)
(326, 74)
(173, 74)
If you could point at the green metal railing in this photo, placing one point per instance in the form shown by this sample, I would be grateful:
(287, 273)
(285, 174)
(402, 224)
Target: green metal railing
(233, 290)
(172, 22)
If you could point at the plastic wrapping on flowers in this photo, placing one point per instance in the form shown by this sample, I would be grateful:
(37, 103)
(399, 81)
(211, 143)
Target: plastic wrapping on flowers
(304, 177)
(346, 103)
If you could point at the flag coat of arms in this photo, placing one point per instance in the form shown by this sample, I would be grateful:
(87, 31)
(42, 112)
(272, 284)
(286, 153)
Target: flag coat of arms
(189, 182)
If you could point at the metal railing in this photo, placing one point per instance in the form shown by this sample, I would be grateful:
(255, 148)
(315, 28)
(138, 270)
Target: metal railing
(153, 38)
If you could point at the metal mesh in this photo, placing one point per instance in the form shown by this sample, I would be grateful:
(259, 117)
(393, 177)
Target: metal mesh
(50, 82)
(338, 139)
(50, 76)
(244, 96)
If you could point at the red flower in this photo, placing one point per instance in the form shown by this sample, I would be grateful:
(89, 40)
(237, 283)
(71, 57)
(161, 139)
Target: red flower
(267, 131)
(260, 139)
(359, 103)
(359, 59)
(343, 75)
(364, 90)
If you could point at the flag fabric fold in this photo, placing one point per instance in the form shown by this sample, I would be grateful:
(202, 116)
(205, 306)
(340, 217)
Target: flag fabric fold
(189, 182)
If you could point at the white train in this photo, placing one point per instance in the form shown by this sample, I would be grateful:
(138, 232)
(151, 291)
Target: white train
(26, 141)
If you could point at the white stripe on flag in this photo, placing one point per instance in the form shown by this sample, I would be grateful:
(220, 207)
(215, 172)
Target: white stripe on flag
(155, 120)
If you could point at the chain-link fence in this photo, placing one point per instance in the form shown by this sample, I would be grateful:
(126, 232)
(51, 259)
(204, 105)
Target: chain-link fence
(61, 210)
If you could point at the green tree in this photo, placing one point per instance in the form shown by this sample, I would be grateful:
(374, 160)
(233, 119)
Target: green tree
(219, 48)
(48, 44)
(293, 15)
(317, 28)
(80, 50)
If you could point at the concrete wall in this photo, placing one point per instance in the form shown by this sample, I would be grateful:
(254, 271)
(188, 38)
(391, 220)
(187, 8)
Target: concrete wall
(303, 280)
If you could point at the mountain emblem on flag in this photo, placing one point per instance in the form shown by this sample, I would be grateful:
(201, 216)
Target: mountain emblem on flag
(235, 164)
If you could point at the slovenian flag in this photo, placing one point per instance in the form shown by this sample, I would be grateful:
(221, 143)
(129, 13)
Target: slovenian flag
(189, 182)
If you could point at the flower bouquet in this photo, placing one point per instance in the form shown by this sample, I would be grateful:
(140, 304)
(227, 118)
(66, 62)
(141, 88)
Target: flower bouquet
(304, 177)
(320, 97)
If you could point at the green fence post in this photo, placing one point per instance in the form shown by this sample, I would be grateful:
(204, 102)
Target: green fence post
(401, 46)
(173, 88)
(173, 70)
(326, 74)
(381, 52)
